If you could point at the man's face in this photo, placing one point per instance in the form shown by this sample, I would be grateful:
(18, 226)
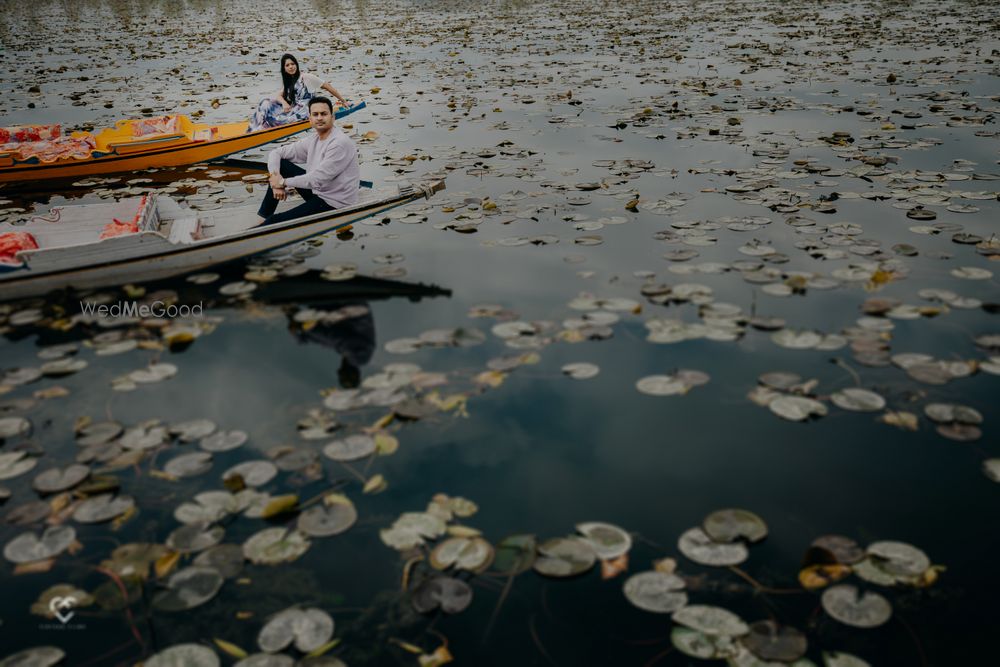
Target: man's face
(320, 117)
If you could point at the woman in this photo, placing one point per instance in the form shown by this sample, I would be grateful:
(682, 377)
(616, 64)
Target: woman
(291, 104)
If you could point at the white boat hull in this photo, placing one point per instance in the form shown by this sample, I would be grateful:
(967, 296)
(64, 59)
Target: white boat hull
(147, 256)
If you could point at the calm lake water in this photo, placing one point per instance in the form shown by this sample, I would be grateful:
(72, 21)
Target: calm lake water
(581, 143)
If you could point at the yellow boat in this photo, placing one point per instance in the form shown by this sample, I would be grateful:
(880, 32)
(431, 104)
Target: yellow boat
(42, 152)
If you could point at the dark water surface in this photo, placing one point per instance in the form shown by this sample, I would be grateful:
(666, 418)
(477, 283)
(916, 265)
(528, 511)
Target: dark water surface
(678, 101)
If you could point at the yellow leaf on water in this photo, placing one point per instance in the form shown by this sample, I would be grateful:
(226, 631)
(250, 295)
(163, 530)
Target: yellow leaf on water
(458, 530)
(166, 563)
(81, 423)
(230, 648)
(370, 135)
(441, 656)
(159, 474)
(613, 567)
(51, 392)
(332, 499)
(34, 567)
(386, 444)
(407, 646)
(375, 484)
(376, 90)
(490, 378)
(383, 421)
(280, 505)
(929, 576)
(904, 420)
(316, 652)
(665, 565)
(819, 576)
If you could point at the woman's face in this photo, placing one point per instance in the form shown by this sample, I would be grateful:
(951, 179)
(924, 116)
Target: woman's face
(290, 67)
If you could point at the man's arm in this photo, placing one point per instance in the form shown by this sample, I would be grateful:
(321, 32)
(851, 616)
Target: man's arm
(295, 152)
(336, 158)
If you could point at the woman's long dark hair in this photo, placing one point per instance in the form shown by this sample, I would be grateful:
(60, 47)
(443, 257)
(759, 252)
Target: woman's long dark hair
(287, 80)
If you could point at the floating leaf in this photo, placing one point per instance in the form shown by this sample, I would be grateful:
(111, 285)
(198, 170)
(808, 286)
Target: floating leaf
(700, 548)
(845, 604)
(308, 629)
(184, 655)
(28, 547)
(55, 480)
(450, 594)
(40, 656)
(319, 521)
(189, 588)
(857, 399)
(272, 546)
(711, 621)
(770, 641)
(565, 557)
(280, 505)
(731, 524)
(608, 541)
(655, 591)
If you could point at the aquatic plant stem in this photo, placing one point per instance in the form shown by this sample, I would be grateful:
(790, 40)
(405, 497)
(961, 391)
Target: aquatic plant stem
(916, 640)
(535, 638)
(496, 610)
(128, 612)
(761, 588)
(659, 656)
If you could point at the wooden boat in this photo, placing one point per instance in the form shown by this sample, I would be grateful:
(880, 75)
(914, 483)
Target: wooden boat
(153, 237)
(41, 152)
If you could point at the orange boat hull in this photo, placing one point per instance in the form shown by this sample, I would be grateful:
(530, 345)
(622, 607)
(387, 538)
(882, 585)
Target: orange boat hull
(170, 153)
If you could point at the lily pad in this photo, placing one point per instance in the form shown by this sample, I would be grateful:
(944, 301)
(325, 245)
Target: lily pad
(223, 441)
(28, 547)
(253, 473)
(226, 558)
(55, 480)
(565, 557)
(731, 524)
(899, 558)
(450, 594)
(844, 603)
(103, 507)
(608, 541)
(797, 408)
(463, 553)
(702, 549)
(655, 591)
(195, 537)
(272, 546)
(40, 656)
(308, 629)
(711, 621)
(770, 641)
(324, 521)
(189, 465)
(15, 464)
(189, 588)
(184, 655)
(699, 645)
(857, 399)
(351, 448)
(194, 429)
(515, 554)
(12, 427)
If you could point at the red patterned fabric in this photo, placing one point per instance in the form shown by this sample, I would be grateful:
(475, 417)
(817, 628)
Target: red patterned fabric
(162, 125)
(12, 243)
(50, 150)
(25, 133)
(119, 227)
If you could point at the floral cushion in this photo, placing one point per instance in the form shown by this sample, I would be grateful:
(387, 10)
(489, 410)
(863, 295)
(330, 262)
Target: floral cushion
(25, 133)
(49, 150)
(12, 243)
(147, 126)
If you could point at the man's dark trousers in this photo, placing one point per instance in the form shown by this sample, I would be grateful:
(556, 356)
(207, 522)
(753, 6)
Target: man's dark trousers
(312, 203)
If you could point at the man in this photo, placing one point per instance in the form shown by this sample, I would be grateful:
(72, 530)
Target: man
(331, 174)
